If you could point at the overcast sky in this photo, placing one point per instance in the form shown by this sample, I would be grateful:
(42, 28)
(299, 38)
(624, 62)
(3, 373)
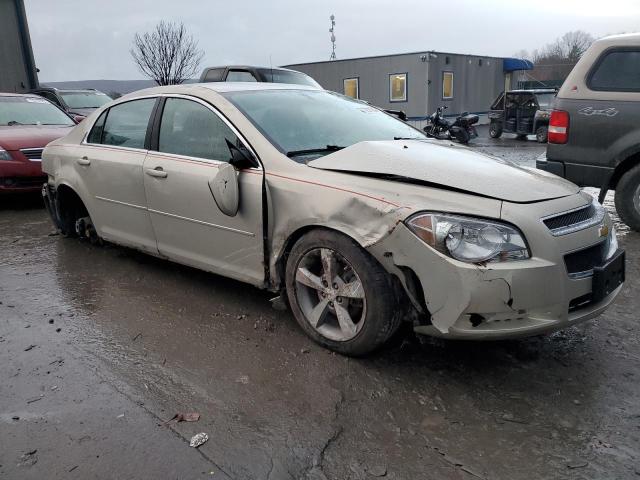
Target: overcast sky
(90, 39)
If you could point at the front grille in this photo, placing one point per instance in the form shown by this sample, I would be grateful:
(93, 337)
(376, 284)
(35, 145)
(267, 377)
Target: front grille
(581, 263)
(574, 220)
(580, 302)
(34, 154)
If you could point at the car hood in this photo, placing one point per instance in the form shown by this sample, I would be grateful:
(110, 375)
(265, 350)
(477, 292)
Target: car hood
(30, 136)
(84, 112)
(443, 165)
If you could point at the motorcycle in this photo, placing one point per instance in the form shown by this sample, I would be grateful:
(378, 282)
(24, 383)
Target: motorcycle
(461, 130)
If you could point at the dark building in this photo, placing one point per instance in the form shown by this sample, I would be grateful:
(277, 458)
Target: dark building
(17, 67)
(419, 82)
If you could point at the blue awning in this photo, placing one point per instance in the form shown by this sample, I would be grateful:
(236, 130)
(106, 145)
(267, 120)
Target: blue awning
(513, 64)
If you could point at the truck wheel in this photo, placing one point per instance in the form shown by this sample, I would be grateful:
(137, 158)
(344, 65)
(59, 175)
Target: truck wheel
(341, 296)
(627, 198)
(541, 134)
(495, 130)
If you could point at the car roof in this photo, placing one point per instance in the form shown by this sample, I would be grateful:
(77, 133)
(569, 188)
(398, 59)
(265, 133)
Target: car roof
(534, 90)
(247, 67)
(54, 89)
(9, 94)
(219, 87)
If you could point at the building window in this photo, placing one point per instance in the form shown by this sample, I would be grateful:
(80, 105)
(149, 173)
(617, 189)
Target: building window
(447, 85)
(351, 87)
(398, 87)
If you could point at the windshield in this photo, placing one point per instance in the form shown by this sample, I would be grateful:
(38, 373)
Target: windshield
(545, 99)
(285, 76)
(30, 111)
(303, 120)
(85, 99)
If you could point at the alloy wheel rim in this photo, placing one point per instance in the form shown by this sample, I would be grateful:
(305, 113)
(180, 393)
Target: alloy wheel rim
(330, 294)
(636, 199)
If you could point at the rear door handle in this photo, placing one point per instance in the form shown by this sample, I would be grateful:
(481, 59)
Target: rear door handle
(84, 161)
(157, 172)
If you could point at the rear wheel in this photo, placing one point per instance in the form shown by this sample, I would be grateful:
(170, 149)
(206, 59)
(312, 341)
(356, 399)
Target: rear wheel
(341, 297)
(462, 136)
(541, 134)
(495, 130)
(627, 198)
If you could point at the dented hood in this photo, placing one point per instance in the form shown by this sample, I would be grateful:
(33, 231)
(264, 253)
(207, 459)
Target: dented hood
(447, 166)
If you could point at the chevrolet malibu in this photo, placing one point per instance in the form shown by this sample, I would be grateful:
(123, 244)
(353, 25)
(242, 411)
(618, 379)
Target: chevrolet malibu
(353, 217)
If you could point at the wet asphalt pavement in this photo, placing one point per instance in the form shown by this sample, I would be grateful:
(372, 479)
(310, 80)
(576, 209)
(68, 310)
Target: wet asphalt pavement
(100, 345)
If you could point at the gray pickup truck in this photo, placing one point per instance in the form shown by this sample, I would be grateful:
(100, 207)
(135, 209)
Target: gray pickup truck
(594, 129)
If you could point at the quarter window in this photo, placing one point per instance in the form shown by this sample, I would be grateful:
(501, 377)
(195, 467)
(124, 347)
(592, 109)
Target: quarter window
(351, 87)
(240, 76)
(398, 87)
(447, 85)
(95, 135)
(126, 123)
(618, 71)
(191, 129)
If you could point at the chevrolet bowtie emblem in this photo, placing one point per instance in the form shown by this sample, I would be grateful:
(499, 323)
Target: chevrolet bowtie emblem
(604, 231)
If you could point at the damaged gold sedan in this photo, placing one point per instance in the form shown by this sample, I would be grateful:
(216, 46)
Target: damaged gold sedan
(355, 218)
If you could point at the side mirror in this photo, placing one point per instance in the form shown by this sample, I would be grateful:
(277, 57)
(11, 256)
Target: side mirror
(225, 189)
(240, 158)
(77, 118)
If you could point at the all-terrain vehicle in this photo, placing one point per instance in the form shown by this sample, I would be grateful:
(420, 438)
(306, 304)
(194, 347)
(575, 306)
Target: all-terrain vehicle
(523, 112)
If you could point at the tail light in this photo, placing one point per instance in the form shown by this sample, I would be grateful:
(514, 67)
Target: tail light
(558, 127)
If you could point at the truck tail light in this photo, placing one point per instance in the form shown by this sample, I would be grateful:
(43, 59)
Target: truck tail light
(558, 127)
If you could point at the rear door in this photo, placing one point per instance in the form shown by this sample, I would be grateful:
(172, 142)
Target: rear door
(190, 142)
(110, 163)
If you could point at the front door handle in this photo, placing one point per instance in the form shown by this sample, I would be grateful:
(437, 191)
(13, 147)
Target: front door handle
(84, 161)
(157, 172)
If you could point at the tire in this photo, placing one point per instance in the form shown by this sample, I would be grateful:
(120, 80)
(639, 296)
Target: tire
(462, 136)
(541, 134)
(68, 218)
(495, 130)
(369, 300)
(627, 198)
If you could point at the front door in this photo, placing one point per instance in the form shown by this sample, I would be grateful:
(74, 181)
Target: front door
(110, 163)
(190, 227)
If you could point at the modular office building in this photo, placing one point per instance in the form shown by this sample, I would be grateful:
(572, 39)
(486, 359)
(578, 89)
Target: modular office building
(417, 83)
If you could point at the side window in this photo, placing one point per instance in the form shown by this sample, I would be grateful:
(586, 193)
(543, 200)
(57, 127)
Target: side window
(191, 129)
(95, 135)
(618, 71)
(126, 124)
(240, 76)
(214, 75)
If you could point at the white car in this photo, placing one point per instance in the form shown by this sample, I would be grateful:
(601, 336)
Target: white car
(356, 218)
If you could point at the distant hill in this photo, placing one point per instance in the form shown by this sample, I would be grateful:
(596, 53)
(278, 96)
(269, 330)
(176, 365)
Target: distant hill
(107, 86)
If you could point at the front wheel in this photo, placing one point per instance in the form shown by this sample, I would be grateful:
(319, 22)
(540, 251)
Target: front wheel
(495, 130)
(340, 295)
(627, 198)
(541, 134)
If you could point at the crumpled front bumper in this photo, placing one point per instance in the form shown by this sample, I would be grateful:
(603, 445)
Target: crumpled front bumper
(496, 300)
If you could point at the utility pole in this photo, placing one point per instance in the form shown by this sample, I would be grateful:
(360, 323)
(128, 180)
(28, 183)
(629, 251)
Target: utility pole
(333, 37)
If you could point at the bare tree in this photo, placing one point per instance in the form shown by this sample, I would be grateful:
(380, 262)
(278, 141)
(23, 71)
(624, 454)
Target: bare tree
(168, 55)
(555, 60)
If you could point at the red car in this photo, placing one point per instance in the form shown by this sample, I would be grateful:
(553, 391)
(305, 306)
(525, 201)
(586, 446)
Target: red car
(27, 124)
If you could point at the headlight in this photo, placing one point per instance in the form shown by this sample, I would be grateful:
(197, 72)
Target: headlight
(4, 155)
(469, 239)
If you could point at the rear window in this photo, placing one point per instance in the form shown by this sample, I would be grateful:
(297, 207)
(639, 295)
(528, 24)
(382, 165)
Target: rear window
(617, 71)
